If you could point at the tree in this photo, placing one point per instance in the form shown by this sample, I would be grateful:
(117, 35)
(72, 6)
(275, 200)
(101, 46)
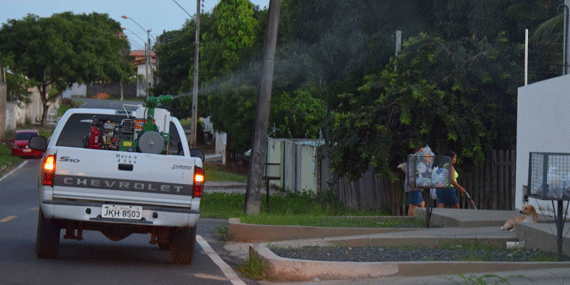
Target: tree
(232, 110)
(64, 49)
(17, 89)
(298, 115)
(454, 19)
(451, 95)
(232, 33)
(176, 53)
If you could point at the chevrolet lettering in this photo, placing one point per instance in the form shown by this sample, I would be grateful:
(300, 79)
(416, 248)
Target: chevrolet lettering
(123, 185)
(103, 172)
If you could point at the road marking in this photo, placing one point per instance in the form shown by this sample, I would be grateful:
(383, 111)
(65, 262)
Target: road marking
(228, 271)
(9, 173)
(211, 277)
(7, 219)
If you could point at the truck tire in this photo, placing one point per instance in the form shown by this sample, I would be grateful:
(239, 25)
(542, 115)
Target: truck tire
(182, 246)
(47, 239)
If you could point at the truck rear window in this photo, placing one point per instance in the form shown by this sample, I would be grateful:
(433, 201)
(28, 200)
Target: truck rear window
(76, 128)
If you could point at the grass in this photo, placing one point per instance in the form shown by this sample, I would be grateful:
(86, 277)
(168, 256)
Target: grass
(186, 122)
(228, 205)
(254, 268)
(63, 107)
(216, 172)
(483, 280)
(331, 221)
(299, 208)
(6, 158)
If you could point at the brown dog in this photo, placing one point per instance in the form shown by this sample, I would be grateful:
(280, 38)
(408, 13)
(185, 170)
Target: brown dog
(531, 217)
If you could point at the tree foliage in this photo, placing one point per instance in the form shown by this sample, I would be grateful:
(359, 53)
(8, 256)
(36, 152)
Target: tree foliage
(454, 19)
(298, 115)
(451, 95)
(63, 49)
(454, 89)
(17, 89)
(232, 33)
(175, 67)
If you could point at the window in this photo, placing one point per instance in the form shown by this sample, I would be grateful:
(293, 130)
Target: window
(78, 126)
(175, 144)
(76, 132)
(24, 136)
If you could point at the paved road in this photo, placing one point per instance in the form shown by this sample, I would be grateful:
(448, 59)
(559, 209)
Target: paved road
(96, 260)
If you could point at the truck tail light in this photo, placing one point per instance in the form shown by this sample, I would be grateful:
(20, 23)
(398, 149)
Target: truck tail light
(198, 181)
(48, 170)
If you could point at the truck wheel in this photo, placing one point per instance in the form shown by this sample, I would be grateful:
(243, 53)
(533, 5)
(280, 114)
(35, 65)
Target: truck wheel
(182, 246)
(47, 239)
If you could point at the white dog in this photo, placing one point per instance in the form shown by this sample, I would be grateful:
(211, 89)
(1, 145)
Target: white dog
(530, 217)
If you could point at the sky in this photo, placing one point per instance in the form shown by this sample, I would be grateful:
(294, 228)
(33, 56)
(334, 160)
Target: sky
(154, 15)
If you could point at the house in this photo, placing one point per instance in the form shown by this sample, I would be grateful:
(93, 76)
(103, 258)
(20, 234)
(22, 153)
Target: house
(140, 66)
(116, 89)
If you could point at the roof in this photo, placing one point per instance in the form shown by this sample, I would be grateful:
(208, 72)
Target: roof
(139, 52)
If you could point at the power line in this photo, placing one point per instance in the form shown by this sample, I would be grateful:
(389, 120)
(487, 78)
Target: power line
(183, 9)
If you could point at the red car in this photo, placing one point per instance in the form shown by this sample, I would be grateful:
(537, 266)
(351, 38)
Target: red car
(20, 144)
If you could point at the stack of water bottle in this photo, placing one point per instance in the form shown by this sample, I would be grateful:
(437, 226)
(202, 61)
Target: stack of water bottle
(549, 176)
(427, 170)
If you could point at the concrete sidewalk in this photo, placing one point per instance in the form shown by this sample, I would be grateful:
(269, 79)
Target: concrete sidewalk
(224, 186)
(455, 226)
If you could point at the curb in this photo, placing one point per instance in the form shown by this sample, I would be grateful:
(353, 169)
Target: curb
(225, 186)
(287, 269)
(241, 232)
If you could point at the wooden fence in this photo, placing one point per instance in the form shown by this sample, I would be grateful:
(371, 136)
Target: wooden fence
(491, 186)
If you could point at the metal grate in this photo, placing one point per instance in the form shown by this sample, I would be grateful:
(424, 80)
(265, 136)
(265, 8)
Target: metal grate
(549, 176)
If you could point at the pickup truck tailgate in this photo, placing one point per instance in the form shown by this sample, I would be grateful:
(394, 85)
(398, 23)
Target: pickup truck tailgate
(115, 176)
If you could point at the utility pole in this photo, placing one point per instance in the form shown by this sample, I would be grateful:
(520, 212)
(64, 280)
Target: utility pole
(398, 45)
(149, 64)
(146, 69)
(156, 42)
(566, 64)
(259, 143)
(195, 88)
(3, 95)
(398, 41)
(146, 54)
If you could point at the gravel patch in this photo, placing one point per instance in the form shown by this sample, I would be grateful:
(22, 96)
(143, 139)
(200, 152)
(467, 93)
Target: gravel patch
(379, 254)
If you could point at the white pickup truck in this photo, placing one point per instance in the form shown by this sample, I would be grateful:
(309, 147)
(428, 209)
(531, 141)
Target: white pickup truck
(119, 173)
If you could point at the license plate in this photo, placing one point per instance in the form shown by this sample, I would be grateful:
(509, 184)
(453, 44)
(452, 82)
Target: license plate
(121, 212)
(27, 150)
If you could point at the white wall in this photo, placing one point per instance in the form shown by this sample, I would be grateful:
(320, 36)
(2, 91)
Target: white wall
(31, 111)
(75, 90)
(221, 143)
(543, 125)
(141, 70)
